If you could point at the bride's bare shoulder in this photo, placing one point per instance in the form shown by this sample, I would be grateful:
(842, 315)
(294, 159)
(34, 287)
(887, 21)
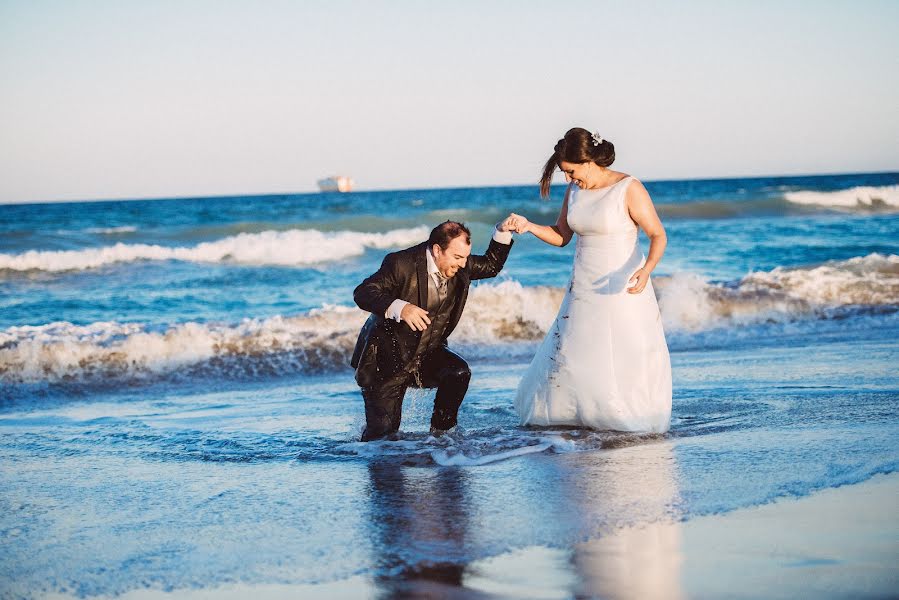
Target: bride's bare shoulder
(637, 193)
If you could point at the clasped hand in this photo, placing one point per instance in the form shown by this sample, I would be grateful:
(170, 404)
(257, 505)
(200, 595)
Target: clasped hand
(515, 223)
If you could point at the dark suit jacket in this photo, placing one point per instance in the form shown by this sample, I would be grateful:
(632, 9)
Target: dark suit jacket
(385, 347)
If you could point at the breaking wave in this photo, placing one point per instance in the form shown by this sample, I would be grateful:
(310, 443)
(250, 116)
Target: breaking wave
(294, 247)
(865, 198)
(688, 303)
(105, 351)
(502, 319)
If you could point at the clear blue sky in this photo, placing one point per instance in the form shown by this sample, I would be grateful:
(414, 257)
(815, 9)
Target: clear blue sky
(126, 99)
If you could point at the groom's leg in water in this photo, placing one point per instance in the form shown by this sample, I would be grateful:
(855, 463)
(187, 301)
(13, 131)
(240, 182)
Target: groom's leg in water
(384, 406)
(449, 373)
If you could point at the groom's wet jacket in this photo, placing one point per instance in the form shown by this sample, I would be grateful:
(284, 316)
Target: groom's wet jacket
(389, 355)
(385, 347)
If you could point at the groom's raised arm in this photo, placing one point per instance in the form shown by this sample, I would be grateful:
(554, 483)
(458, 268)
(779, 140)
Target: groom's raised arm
(491, 262)
(378, 291)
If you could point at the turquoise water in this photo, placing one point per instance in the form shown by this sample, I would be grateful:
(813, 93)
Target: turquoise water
(177, 411)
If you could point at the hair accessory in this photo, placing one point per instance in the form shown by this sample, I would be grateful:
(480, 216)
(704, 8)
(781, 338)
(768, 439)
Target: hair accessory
(597, 139)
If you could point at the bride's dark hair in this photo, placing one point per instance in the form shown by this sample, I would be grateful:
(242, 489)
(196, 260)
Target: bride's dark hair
(576, 147)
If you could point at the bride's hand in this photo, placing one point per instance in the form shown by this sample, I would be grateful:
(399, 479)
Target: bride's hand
(637, 281)
(517, 223)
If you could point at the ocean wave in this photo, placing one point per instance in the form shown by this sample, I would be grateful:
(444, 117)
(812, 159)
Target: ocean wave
(294, 247)
(502, 319)
(784, 201)
(721, 209)
(63, 352)
(509, 312)
(865, 198)
(689, 303)
(112, 230)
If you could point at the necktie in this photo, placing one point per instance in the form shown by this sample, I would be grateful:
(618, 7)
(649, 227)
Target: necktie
(440, 280)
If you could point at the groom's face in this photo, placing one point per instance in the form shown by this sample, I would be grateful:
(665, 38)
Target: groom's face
(452, 259)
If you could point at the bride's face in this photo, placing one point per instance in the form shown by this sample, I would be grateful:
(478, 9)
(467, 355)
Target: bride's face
(579, 173)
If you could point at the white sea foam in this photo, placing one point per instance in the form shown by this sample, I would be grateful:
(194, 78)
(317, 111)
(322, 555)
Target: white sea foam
(501, 319)
(868, 280)
(688, 303)
(294, 247)
(451, 458)
(62, 351)
(507, 311)
(483, 446)
(112, 230)
(459, 447)
(862, 197)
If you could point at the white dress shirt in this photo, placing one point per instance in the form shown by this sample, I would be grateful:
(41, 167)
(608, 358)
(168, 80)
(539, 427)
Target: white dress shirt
(396, 307)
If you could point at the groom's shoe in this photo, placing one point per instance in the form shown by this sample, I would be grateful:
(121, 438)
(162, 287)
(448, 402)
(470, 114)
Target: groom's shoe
(371, 435)
(367, 437)
(435, 432)
(443, 419)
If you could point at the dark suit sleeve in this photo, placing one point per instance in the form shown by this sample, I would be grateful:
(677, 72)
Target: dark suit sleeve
(491, 263)
(380, 289)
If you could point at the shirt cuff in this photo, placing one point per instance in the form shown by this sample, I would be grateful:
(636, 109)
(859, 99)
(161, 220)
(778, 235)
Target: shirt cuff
(503, 237)
(395, 310)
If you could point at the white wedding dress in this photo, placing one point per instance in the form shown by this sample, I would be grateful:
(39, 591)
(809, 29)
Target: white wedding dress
(604, 363)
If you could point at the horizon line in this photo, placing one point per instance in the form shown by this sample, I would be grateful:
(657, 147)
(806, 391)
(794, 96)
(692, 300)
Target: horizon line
(413, 189)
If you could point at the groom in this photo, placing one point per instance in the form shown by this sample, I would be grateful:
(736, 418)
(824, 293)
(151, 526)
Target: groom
(416, 299)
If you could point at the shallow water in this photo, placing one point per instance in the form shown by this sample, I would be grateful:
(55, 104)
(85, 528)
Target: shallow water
(171, 489)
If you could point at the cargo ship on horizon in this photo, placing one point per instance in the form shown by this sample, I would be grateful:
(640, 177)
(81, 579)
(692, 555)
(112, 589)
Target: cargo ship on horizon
(337, 183)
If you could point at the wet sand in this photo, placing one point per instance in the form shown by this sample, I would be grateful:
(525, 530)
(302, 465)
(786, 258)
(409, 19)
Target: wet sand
(836, 543)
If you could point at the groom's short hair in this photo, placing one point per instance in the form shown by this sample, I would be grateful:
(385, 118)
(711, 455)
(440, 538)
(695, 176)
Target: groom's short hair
(446, 232)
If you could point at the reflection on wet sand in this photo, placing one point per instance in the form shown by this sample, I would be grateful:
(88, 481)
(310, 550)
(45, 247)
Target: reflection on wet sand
(637, 562)
(643, 559)
(416, 512)
(627, 503)
(620, 505)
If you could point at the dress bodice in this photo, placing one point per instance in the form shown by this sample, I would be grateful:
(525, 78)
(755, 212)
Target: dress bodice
(601, 211)
(607, 252)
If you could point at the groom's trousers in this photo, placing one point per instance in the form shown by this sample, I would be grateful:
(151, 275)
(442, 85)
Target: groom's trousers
(441, 369)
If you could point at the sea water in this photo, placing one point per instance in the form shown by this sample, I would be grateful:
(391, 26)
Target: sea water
(177, 410)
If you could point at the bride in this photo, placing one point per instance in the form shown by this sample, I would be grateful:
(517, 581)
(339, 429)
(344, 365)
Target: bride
(604, 363)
